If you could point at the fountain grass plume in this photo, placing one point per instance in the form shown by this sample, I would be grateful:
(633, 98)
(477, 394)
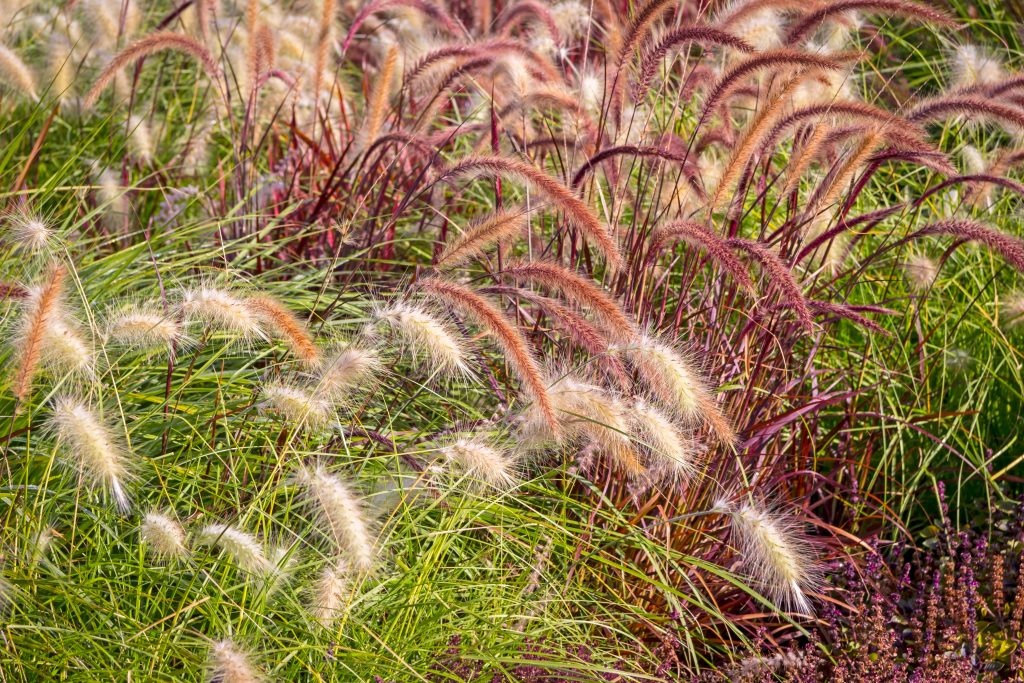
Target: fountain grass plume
(91, 448)
(511, 340)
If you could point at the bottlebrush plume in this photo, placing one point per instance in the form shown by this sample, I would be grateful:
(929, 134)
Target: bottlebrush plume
(971, 107)
(495, 228)
(228, 663)
(27, 232)
(140, 140)
(425, 335)
(577, 289)
(697, 235)
(1013, 310)
(349, 368)
(517, 351)
(771, 59)
(601, 418)
(900, 8)
(590, 415)
(973, 65)
(243, 548)
(1010, 247)
(156, 42)
(163, 535)
(91, 448)
(16, 74)
(376, 106)
(774, 553)
(140, 327)
(575, 327)
(341, 512)
(275, 316)
(40, 312)
(671, 377)
(705, 35)
(779, 276)
(222, 309)
(576, 211)
(330, 593)
(920, 271)
(482, 463)
(296, 405)
(65, 348)
(672, 454)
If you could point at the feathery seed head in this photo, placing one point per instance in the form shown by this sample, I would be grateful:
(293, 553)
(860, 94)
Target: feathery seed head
(973, 65)
(229, 664)
(974, 162)
(572, 19)
(424, 334)
(590, 414)
(296, 404)
(775, 554)
(28, 232)
(91, 448)
(672, 454)
(672, 379)
(669, 375)
(65, 348)
(275, 316)
(329, 593)
(243, 548)
(348, 369)
(341, 512)
(920, 272)
(163, 536)
(1013, 311)
(144, 329)
(16, 74)
(222, 308)
(483, 463)
(140, 141)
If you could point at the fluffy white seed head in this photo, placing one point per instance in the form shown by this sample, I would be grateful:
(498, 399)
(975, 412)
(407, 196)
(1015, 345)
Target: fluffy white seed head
(761, 29)
(223, 309)
(140, 140)
(482, 463)
(230, 664)
(340, 511)
(27, 232)
(40, 544)
(91, 448)
(243, 548)
(974, 65)
(347, 370)
(144, 328)
(974, 161)
(775, 553)
(329, 595)
(572, 18)
(1013, 311)
(65, 348)
(15, 74)
(920, 272)
(670, 376)
(296, 405)
(423, 334)
(589, 414)
(672, 454)
(163, 536)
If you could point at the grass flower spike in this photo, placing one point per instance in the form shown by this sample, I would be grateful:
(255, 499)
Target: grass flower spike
(482, 463)
(774, 553)
(229, 664)
(341, 513)
(91, 448)
(425, 334)
(163, 536)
